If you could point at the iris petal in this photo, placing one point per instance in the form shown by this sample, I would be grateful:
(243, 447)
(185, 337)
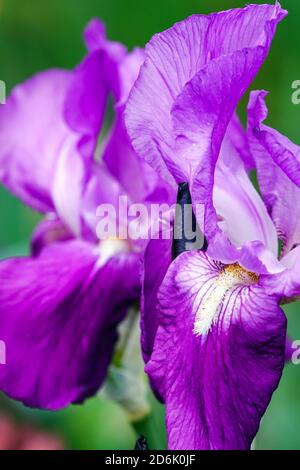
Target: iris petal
(58, 318)
(216, 383)
(276, 160)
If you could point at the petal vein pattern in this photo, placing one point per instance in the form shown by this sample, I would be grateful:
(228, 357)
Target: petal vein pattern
(216, 385)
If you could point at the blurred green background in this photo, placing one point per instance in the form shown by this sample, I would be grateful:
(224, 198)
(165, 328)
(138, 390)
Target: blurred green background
(38, 34)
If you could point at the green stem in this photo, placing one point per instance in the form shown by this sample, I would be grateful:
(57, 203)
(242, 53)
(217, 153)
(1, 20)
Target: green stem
(153, 426)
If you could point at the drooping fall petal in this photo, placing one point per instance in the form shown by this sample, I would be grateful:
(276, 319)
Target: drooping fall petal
(58, 319)
(218, 354)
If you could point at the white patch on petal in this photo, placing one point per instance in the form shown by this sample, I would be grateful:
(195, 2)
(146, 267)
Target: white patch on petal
(111, 247)
(230, 277)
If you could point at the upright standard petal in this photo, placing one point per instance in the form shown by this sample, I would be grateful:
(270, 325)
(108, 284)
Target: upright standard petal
(277, 160)
(242, 215)
(239, 141)
(129, 69)
(201, 115)
(136, 177)
(173, 59)
(33, 135)
(285, 153)
(96, 39)
(58, 319)
(218, 354)
(107, 70)
(86, 100)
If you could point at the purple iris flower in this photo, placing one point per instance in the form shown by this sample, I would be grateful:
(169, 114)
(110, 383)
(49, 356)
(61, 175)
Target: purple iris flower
(60, 308)
(214, 334)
